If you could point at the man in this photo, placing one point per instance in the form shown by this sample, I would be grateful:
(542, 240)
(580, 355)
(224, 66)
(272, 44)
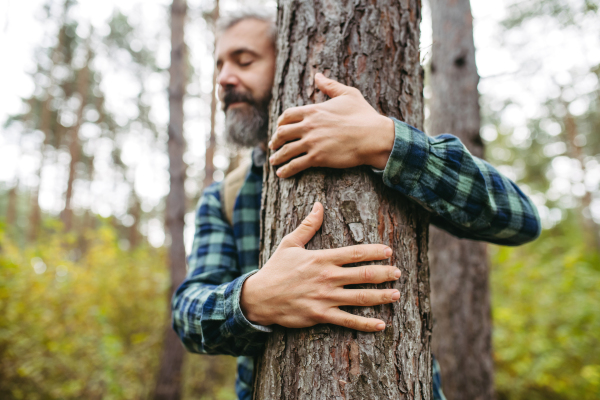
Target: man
(225, 304)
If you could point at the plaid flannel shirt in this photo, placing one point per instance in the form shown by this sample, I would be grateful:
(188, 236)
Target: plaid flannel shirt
(465, 195)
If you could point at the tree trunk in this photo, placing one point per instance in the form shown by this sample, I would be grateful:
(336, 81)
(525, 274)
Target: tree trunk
(460, 297)
(11, 208)
(373, 46)
(168, 383)
(211, 143)
(592, 235)
(35, 216)
(74, 145)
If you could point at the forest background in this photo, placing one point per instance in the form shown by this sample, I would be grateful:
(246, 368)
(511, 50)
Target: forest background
(83, 261)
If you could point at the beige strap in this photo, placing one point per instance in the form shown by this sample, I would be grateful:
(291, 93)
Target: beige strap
(232, 184)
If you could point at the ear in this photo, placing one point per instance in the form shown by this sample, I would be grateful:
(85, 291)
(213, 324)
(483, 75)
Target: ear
(330, 87)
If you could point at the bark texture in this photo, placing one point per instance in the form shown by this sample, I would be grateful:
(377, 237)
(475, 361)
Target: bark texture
(460, 297)
(373, 46)
(168, 384)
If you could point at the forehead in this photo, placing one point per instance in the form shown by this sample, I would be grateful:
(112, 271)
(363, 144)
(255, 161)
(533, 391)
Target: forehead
(251, 34)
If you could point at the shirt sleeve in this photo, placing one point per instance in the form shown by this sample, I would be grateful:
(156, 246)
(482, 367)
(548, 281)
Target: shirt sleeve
(206, 307)
(467, 196)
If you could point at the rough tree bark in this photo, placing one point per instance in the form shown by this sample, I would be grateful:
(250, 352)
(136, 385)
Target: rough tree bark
(460, 297)
(211, 143)
(168, 382)
(373, 46)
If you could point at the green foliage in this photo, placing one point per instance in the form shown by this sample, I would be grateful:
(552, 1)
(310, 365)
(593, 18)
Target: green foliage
(566, 12)
(89, 324)
(546, 320)
(80, 330)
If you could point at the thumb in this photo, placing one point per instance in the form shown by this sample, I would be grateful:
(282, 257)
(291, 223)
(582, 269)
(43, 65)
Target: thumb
(330, 87)
(307, 229)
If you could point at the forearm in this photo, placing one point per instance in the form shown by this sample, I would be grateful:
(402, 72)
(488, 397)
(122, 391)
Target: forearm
(206, 307)
(467, 196)
(209, 320)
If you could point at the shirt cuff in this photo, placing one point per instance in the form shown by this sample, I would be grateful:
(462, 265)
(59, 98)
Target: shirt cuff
(233, 311)
(408, 158)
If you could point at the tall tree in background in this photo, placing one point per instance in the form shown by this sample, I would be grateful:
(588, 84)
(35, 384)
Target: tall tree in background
(460, 297)
(168, 384)
(74, 142)
(373, 46)
(211, 143)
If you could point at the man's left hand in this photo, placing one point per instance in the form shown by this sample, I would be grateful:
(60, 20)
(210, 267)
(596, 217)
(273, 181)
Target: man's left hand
(342, 132)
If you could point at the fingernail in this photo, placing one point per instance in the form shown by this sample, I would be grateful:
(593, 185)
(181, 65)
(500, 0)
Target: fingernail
(387, 252)
(380, 326)
(398, 274)
(269, 145)
(271, 159)
(396, 296)
(278, 173)
(314, 209)
(318, 75)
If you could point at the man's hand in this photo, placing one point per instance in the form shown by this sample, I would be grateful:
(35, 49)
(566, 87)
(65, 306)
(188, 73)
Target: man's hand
(298, 288)
(340, 133)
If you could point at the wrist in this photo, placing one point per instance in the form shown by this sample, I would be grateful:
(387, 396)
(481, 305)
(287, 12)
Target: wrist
(250, 302)
(385, 135)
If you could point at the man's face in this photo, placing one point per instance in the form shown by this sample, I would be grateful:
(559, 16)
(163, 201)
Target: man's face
(246, 66)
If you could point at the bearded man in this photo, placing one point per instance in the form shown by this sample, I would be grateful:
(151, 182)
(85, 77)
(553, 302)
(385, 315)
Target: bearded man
(226, 304)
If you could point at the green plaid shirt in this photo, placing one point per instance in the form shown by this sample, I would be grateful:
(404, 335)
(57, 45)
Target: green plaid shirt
(465, 195)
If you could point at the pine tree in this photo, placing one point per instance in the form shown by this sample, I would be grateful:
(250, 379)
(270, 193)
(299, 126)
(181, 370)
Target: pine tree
(373, 46)
(460, 298)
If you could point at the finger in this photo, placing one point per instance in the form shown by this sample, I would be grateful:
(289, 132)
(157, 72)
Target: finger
(309, 226)
(293, 167)
(330, 87)
(368, 274)
(364, 297)
(351, 321)
(292, 115)
(285, 134)
(358, 253)
(288, 152)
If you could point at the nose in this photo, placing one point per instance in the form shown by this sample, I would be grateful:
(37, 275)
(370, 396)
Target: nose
(227, 76)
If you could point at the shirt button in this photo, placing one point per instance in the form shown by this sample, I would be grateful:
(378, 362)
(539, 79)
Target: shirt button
(395, 180)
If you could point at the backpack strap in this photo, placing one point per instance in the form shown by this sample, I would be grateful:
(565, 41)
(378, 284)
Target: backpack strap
(232, 184)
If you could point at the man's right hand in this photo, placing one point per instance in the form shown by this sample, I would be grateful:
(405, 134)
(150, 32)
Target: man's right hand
(299, 288)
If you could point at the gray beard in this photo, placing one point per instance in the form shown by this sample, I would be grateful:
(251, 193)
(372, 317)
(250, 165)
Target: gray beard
(247, 127)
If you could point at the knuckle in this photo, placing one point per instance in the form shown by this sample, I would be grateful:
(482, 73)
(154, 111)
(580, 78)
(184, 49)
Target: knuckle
(325, 276)
(311, 142)
(349, 322)
(357, 253)
(367, 326)
(367, 274)
(362, 298)
(317, 258)
(316, 158)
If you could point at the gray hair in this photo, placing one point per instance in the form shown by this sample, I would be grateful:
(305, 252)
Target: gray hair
(261, 14)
